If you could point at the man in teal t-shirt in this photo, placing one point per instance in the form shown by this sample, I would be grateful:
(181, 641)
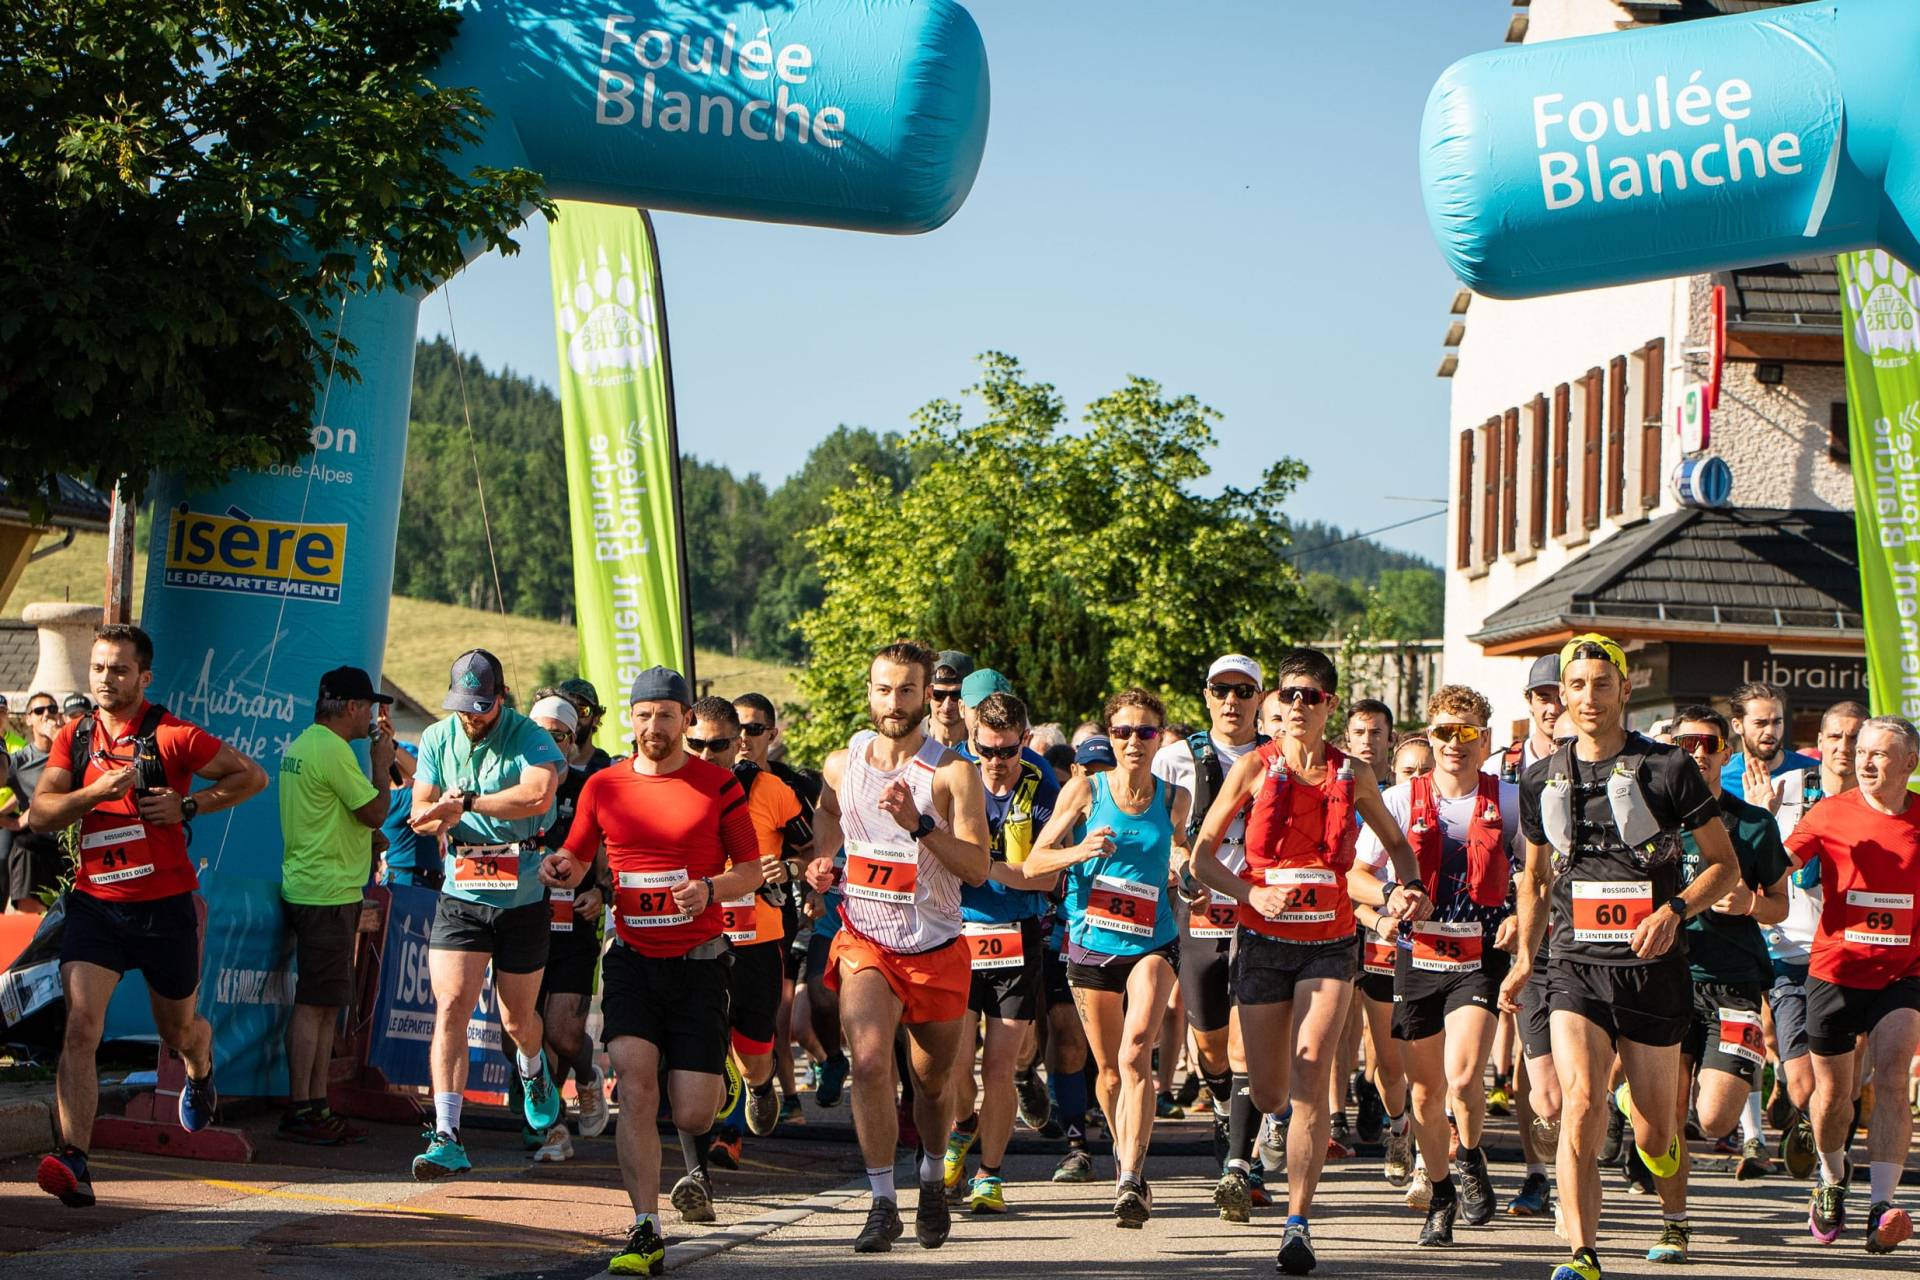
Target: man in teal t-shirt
(488, 782)
(329, 811)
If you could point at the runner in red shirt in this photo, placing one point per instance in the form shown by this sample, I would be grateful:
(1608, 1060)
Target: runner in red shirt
(1864, 973)
(671, 824)
(132, 904)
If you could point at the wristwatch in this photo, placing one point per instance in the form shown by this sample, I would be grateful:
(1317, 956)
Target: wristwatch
(189, 808)
(466, 801)
(925, 827)
(1678, 905)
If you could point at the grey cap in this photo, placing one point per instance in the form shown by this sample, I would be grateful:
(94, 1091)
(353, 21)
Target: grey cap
(961, 664)
(475, 683)
(1544, 671)
(659, 684)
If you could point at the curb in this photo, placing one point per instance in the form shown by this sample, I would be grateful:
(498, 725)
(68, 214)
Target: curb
(26, 1127)
(692, 1251)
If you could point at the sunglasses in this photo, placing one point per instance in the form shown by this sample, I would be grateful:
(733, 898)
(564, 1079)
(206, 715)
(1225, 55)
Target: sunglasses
(44, 709)
(1244, 692)
(709, 744)
(943, 695)
(1711, 743)
(562, 736)
(1144, 732)
(1456, 733)
(753, 730)
(996, 753)
(1301, 695)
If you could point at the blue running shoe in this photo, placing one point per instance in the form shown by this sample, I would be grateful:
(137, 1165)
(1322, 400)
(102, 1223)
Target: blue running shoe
(443, 1157)
(198, 1100)
(543, 1103)
(833, 1078)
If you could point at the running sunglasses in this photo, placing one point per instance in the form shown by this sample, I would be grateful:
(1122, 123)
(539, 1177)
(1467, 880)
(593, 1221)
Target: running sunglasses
(1144, 732)
(753, 730)
(562, 736)
(1244, 692)
(996, 753)
(45, 709)
(1711, 743)
(709, 744)
(942, 695)
(1301, 695)
(1456, 733)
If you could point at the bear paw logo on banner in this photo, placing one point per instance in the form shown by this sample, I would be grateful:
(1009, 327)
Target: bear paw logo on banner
(1885, 297)
(608, 321)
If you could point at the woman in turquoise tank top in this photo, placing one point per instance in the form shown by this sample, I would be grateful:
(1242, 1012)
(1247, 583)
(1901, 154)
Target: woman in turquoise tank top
(1121, 936)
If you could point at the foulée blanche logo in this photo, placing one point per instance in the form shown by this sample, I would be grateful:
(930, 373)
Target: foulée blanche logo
(1885, 299)
(608, 320)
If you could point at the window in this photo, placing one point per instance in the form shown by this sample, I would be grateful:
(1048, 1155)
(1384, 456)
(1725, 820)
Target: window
(1590, 388)
(1562, 408)
(1463, 506)
(1839, 434)
(1617, 436)
(1490, 491)
(1510, 481)
(1653, 424)
(1537, 475)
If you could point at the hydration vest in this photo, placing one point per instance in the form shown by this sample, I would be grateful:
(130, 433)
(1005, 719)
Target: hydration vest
(1488, 868)
(1013, 841)
(1208, 776)
(1634, 823)
(153, 774)
(1272, 840)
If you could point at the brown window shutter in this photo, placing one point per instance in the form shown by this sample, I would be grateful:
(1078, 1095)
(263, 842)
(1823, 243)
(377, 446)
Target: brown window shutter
(1463, 506)
(1593, 383)
(1490, 489)
(1537, 475)
(1653, 426)
(1510, 481)
(1839, 434)
(1562, 411)
(1617, 436)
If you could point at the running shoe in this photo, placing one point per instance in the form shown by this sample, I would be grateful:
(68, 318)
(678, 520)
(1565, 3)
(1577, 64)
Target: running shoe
(986, 1194)
(883, 1227)
(1370, 1113)
(542, 1104)
(593, 1109)
(1727, 1144)
(443, 1157)
(693, 1198)
(1296, 1250)
(1188, 1094)
(1257, 1187)
(1233, 1196)
(1581, 1266)
(1476, 1189)
(1639, 1177)
(348, 1133)
(1273, 1144)
(1222, 1138)
(790, 1110)
(1398, 1164)
(308, 1128)
(644, 1253)
(1075, 1166)
(1499, 1100)
(1438, 1230)
(763, 1110)
(1133, 1204)
(1532, 1200)
(1340, 1138)
(1036, 1105)
(1672, 1244)
(724, 1150)
(954, 1172)
(1886, 1227)
(1797, 1151)
(1165, 1108)
(198, 1101)
(1420, 1191)
(1827, 1212)
(1755, 1163)
(64, 1173)
(932, 1220)
(1616, 1136)
(557, 1148)
(833, 1082)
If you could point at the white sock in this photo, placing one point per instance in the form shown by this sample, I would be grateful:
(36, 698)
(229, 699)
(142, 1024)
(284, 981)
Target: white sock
(647, 1220)
(1833, 1166)
(1419, 1163)
(1750, 1121)
(1242, 1166)
(1535, 1166)
(446, 1112)
(1399, 1123)
(530, 1067)
(1884, 1177)
(881, 1180)
(932, 1167)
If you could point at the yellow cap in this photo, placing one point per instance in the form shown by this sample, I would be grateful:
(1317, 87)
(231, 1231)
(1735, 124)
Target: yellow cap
(1615, 654)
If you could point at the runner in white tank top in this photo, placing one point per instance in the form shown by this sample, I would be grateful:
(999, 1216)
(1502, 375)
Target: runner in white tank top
(896, 895)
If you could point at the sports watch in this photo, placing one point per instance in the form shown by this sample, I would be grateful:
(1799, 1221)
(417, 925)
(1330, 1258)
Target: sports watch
(1678, 905)
(925, 827)
(189, 808)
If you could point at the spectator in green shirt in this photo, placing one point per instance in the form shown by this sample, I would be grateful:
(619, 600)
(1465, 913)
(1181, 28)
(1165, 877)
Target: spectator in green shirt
(330, 813)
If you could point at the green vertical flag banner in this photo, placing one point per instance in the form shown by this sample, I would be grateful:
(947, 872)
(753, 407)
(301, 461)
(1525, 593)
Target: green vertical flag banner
(623, 474)
(1880, 302)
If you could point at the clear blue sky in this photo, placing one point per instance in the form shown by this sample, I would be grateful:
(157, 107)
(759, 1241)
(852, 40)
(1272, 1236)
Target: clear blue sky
(1221, 196)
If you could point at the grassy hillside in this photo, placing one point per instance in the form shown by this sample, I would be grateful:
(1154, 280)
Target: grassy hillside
(422, 637)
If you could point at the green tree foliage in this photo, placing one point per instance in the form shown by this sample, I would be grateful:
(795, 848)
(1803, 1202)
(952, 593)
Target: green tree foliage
(186, 189)
(1078, 561)
(1339, 553)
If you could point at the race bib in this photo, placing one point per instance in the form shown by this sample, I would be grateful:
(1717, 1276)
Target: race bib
(116, 854)
(882, 873)
(1312, 894)
(995, 946)
(1123, 906)
(645, 899)
(1376, 957)
(740, 920)
(1740, 1035)
(1447, 948)
(560, 903)
(1608, 911)
(489, 868)
(1878, 919)
(1215, 916)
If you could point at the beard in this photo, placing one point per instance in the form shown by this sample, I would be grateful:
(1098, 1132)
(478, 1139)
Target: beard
(654, 748)
(894, 727)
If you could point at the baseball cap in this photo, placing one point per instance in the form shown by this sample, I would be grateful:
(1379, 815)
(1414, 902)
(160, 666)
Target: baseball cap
(351, 684)
(1544, 671)
(475, 683)
(580, 690)
(953, 660)
(553, 707)
(1095, 751)
(76, 703)
(660, 684)
(1238, 664)
(1615, 654)
(975, 688)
